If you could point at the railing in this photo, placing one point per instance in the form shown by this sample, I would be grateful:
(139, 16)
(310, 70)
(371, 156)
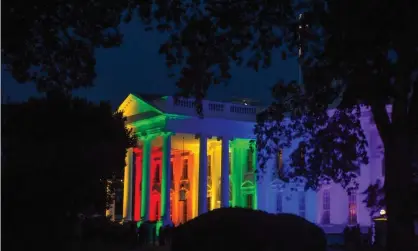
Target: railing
(212, 108)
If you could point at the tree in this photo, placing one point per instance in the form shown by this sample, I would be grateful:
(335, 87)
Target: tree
(375, 197)
(355, 56)
(56, 154)
(344, 40)
(52, 43)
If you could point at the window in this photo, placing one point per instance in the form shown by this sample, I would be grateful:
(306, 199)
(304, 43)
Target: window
(279, 160)
(250, 160)
(302, 205)
(249, 201)
(182, 193)
(184, 211)
(383, 166)
(326, 207)
(352, 208)
(157, 174)
(185, 169)
(209, 166)
(157, 211)
(279, 202)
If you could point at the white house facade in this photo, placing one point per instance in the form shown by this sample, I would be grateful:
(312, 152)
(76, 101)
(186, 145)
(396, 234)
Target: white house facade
(184, 166)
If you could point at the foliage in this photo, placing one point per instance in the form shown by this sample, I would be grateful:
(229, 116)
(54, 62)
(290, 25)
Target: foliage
(56, 153)
(353, 52)
(52, 42)
(259, 231)
(108, 232)
(375, 197)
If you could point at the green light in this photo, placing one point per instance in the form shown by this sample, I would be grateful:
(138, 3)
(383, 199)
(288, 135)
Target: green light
(145, 195)
(166, 177)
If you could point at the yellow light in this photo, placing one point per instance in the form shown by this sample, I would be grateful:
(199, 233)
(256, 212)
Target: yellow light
(382, 212)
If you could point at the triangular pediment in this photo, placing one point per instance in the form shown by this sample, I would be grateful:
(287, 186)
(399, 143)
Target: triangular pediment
(277, 183)
(135, 104)
(247, 184)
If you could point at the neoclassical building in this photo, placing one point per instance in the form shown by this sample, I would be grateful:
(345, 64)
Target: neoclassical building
(184, 166)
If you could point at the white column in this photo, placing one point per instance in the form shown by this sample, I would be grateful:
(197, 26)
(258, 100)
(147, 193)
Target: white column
(146, 179)
(128, 186)
(203, 175)
(225, 173)
(166, 178)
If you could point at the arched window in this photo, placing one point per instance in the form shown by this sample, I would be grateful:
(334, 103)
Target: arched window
(352, 208)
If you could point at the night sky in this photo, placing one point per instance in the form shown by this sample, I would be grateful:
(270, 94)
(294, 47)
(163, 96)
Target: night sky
(137, 67)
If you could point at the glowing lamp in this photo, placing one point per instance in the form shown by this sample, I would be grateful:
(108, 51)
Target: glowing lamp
(382, 212)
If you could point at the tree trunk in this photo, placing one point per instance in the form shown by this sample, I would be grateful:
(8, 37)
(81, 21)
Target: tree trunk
(398, 192)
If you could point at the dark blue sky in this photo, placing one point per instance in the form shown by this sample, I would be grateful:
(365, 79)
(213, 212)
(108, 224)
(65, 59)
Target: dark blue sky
(137, 67)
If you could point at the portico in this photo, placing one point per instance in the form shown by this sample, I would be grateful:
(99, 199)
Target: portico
(185, 165)
(163, 177)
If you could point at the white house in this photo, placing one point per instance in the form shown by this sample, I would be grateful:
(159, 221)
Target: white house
(185, 165)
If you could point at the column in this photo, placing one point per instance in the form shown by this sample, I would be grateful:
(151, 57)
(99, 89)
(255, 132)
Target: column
(203, 174)
(256, 178)
(166, 180)
(127, 186)
(146, 178)
(225, 173)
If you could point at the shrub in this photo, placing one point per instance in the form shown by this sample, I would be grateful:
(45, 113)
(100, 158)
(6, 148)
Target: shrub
(246, 229)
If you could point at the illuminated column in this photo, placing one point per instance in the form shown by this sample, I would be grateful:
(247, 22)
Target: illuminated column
(225, 173)
(127, 186)
(203, 174)
(166, 180)
(256, 178)
(236, 173)
(146, 178)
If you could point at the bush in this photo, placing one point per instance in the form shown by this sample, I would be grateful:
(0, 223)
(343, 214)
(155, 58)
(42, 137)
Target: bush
(246, 229)
(353, 237)
(102, 230)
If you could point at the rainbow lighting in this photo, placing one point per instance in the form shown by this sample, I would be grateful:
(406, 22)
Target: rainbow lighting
(184, 166)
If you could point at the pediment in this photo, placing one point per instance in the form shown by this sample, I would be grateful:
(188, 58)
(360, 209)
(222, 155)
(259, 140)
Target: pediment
(277, 183)
(135, 105)
(247, 184)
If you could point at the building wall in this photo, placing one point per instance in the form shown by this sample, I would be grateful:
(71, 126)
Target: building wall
(236, 123)
(338, 196)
